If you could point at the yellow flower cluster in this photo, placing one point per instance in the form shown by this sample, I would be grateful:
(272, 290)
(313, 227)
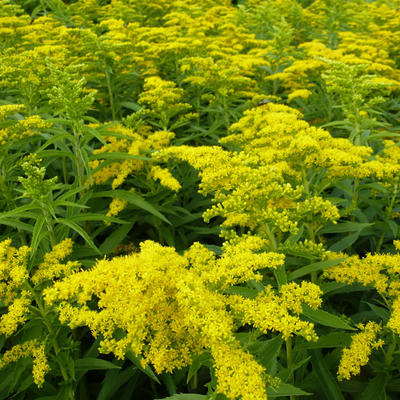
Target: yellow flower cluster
(51, 267)
(9, 109)
(300, 93)
(267, 182)
(163, 101)
(381, 271)
(239, 263)
(239, 375)
(133, 143)
(165, 177)
(138, 144)
(115, 207)
(32, 349)
(166, 307)
(19, 129)
(357, 355)
(15, 290)
(180, 71)
(19, 291)
(372, 270)
(13, 274)
(272, 312)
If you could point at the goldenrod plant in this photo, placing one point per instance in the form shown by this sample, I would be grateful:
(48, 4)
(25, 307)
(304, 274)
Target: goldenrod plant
(199, 200)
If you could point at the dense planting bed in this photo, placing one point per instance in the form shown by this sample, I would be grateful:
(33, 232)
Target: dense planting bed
(199, 199)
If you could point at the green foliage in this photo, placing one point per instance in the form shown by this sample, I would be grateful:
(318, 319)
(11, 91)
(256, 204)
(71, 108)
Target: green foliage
(249, 130)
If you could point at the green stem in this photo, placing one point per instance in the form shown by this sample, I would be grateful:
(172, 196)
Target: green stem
(194, 381)
(225, 112)
(79, 167)
(306, 184)
(390, 352)
(387, 215)
(64, 169)
(354, 201)
(289, 361)
(9, 198)
(43, 5)
(309, 225)
(49, 225)
(110, 93)
(271, 238)
(169, 382)
(49, 327)
(153, 389)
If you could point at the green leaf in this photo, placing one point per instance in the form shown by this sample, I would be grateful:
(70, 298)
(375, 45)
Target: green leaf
(16, 224)
(197, 362)
(17, 212)
(36, 234)
(74, 226)
(286, 389)
(374, 186)
(65, 392)
(393, 227)
(267, 352)
(330, 340)
(134, 199)
(85, 364)
(324, 318)
(136, 361)
(298, 273)
(343, 123)
(328, 382)
(115, 238)
(166, 234)
(381, 312)
(338, 287)
(55, 138)
(64, 203)
(376, 388)
(131, 105)
(95, 134)
(47, 398)
(345, 243)
(96, 217)
(280, 275)
(57, 154)
(114, 380)
(119, 156)
(71, 192)
(345, 227)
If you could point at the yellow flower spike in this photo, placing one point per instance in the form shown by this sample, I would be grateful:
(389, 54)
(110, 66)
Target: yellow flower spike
(162, 99)
(357, 355)
(239, 376)
(115, 207)
(373, 270)
(251, 188)
(271, 312)
(32, 349)
(52, 267)
(21, 128)
(165, 177)
(293, 295)
(169, 307)
(17, 314)
(301, 93)
(394, 321)
(10, 109)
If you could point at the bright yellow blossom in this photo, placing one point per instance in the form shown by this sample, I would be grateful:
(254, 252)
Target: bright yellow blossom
(357, 355)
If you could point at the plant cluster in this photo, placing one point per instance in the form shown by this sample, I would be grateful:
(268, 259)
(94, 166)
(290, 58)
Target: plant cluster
(199, 200)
